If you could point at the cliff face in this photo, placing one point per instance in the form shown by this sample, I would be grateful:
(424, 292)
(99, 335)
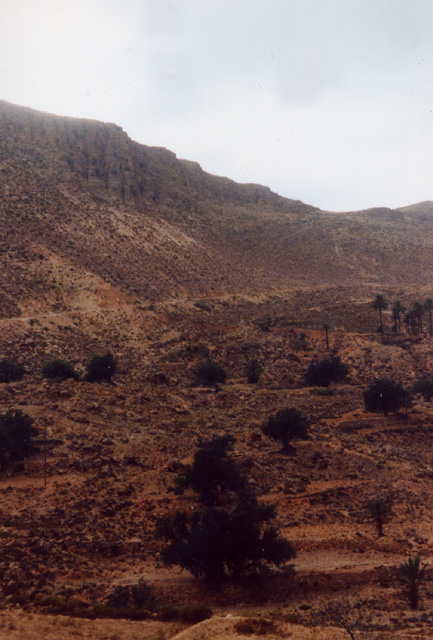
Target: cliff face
(83, 194)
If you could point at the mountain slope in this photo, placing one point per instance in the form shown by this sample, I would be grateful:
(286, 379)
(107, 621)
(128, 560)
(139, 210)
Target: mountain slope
(82, 193)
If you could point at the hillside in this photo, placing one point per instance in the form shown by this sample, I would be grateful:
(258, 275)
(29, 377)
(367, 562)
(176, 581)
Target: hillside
(109, 245)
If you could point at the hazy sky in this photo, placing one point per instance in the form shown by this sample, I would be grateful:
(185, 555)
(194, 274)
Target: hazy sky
(326, 101)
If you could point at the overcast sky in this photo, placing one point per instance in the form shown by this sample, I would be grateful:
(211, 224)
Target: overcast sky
(325, 101)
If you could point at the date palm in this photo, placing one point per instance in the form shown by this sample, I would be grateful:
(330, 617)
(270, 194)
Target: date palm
(379, 304)
(326, 328)
(412, 573)
(380, 510)
(428, 306)
(397, 311)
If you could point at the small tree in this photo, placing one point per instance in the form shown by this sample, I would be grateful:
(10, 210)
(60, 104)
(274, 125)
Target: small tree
(59, 369)
(10, 371)
(384, 395)
(380, 510)
(321, 373)
(287, 425)
(101, 368)
(212, 472)
(253, 371)
(210, 373)
(412, 573)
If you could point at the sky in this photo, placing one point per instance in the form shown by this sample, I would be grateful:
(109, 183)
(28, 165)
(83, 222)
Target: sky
(325, 101)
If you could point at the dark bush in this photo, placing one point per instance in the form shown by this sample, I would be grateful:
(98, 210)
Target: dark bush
(321, 373)
(11, 371)
(16, 436)
(101, 368)
(59, 369)
(253, 371)
(384, 395)
(210, 373)
(287, 425)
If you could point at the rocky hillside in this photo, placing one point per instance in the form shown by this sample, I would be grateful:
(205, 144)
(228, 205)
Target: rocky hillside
(82, 194)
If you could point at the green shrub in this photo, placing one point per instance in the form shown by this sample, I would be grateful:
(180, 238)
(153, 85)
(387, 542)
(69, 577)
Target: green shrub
(16, 436)
(59, 369)
(253, 371)
(101, 368)
(321, 373)
(10, 371)
(210, 373)
(139, 596)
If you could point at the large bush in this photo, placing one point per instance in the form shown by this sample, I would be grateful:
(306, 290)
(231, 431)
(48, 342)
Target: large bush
(16, 436)
(217, 542)
(384, 395)
(321, 373)
(59, 370)
(101, 368)
(210, 373)
(10, 371)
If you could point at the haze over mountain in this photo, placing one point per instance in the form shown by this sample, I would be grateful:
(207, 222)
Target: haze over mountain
(155, 226)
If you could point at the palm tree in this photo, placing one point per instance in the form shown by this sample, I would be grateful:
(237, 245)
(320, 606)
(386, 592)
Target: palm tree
(412, 573)
(428, 306)
(380, 510)
(379, 303)
(417, 311)
(397, 310)
(326, 327)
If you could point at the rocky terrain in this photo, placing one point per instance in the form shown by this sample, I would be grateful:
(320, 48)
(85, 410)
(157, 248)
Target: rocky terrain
(108, 245)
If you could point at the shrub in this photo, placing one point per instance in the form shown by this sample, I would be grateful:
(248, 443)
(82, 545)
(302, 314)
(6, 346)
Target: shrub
(321, 373)
(101, 368)
(287, 425)
(16, 436)
(210, 373)
(60, 369)
(384, 395)
(253, 371)
(10, 371)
